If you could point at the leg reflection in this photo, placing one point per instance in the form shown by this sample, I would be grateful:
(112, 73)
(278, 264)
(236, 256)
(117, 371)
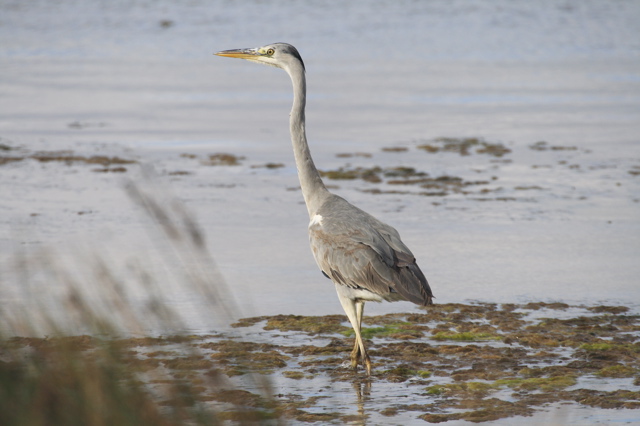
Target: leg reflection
(363, 391)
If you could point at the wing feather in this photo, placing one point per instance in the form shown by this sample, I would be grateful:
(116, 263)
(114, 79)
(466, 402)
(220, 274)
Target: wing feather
(356, 250)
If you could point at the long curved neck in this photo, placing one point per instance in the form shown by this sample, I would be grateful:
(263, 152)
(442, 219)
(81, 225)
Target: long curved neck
(313, 188)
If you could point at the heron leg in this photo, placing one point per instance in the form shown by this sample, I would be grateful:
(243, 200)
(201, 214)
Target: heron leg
(361, 352)
(357, 354)
(354, 311)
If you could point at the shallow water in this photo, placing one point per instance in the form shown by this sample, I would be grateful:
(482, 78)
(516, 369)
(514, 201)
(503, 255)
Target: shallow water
(139, 81)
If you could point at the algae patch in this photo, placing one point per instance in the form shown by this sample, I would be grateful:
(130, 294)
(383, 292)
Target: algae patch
(475, 362)
(464, 146)
(113, 164)
(222, 159)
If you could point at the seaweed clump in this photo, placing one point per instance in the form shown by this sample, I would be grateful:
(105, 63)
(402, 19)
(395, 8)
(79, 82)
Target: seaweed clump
(223, 159)
(401, 175)
(544, 146)
(478, 362)
(465, 146)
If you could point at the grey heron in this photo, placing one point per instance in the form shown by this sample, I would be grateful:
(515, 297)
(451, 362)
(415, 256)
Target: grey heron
(364, 257)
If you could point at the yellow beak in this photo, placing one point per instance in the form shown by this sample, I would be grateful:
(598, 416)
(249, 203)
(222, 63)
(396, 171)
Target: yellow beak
(239, 53)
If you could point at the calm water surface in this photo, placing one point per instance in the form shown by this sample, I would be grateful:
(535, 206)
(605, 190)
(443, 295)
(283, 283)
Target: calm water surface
(139, 81)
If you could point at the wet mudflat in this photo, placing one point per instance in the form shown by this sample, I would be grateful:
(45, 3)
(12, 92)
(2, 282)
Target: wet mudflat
(505, 152)
(474, 362)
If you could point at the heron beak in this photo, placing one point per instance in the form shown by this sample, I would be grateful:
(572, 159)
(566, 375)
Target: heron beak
(240, 53)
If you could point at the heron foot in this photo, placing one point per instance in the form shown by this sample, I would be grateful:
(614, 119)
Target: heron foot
(357, 357)
(367, 364)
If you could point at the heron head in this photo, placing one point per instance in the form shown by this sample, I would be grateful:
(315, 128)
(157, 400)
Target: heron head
(281, 55)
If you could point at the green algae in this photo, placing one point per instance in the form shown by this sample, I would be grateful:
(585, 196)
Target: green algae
(464, 146)
(405, 176)
(296, 375)
(371, 174)
(544, 146)
(312, 325)
(617, 371)
(237, 358)
(69, 158)
(464, 389)
(268, 166)
(403, 372)
(223, 159)
(459, 360)
(465, 336)
(538, 383)
(193, 362)
(353, 154)
(399, 330)
(395, 149)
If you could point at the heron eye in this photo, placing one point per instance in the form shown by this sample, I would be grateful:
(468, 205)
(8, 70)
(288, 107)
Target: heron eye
(270, 52)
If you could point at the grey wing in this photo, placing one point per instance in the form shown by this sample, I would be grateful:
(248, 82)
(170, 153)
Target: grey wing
(355, 249)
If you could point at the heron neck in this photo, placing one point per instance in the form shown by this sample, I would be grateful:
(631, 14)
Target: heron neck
(313, 188)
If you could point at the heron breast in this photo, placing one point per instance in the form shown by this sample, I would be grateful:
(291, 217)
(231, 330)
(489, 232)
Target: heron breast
(315, 220)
